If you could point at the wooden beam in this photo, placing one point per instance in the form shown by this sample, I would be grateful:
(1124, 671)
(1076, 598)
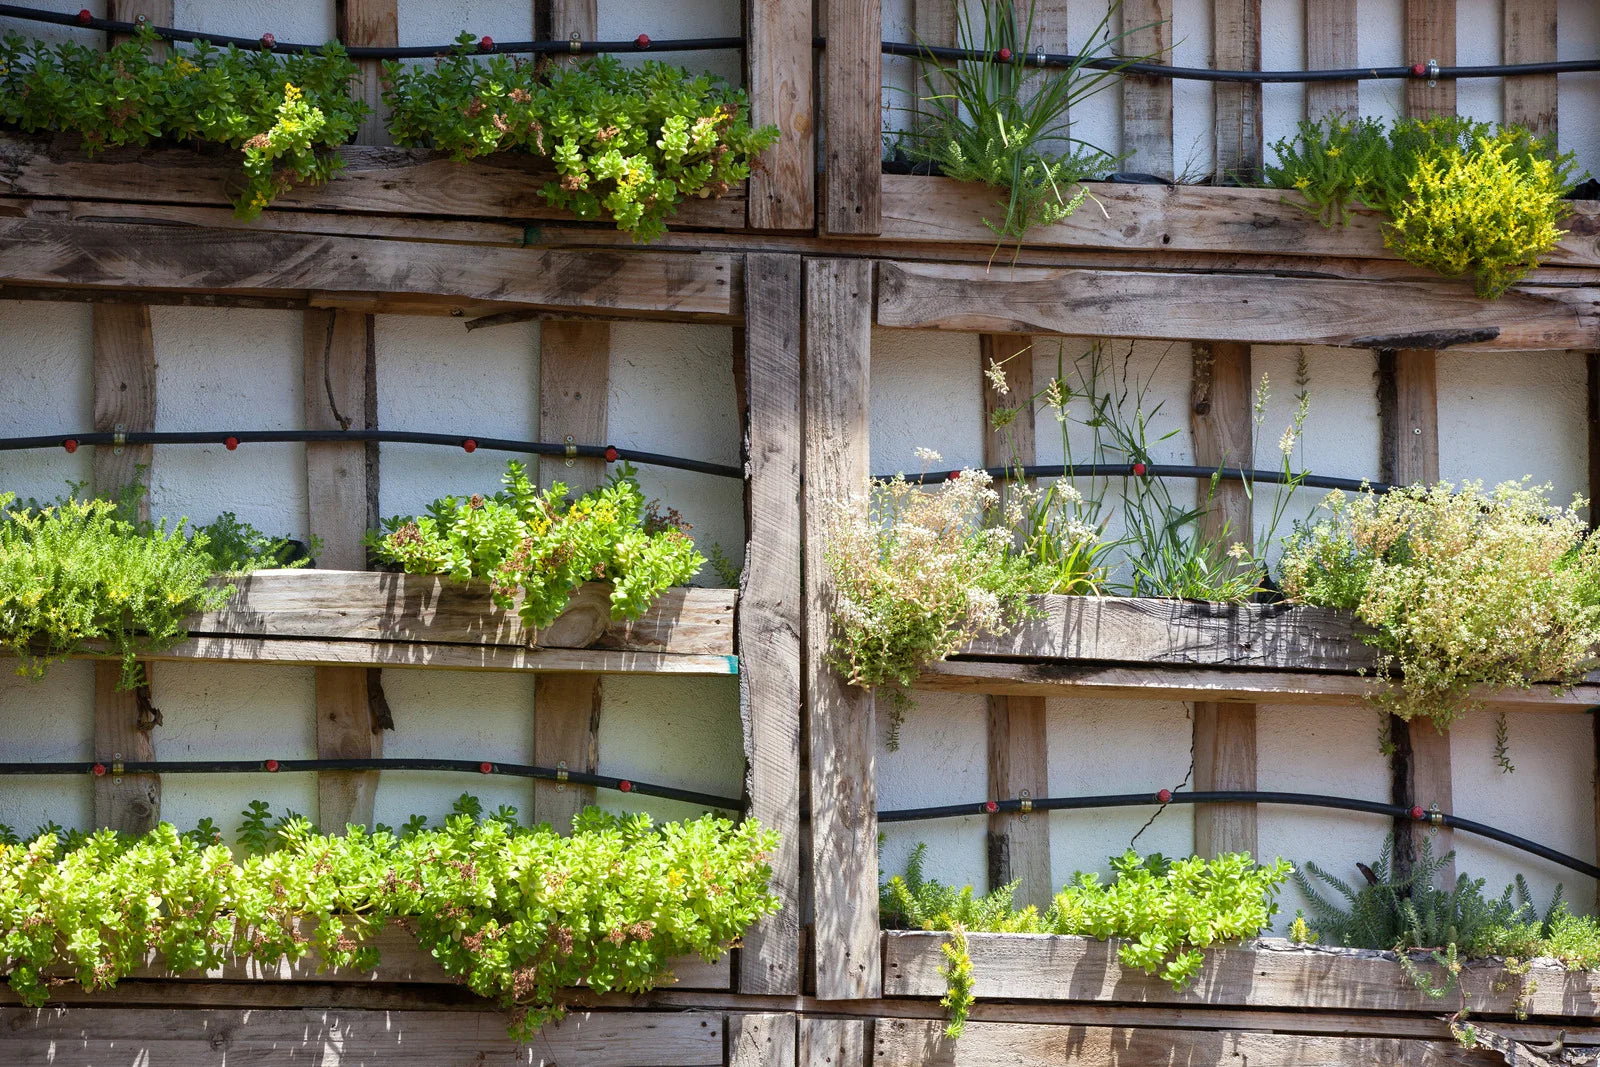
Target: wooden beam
(1019, 844)
(770, 604)
(1331, 45)
(1147, 102)
(1224, 758)
(1592, 367)
(852, 66)
(1430, 36)
(1252, 310)
(1236, 45)
(842, 733)
(154, 12)
(764, 1039)
(649, 284)
(369, 23)
(932, 22)
(1528, 35)
(781, 67)
(835, 1042)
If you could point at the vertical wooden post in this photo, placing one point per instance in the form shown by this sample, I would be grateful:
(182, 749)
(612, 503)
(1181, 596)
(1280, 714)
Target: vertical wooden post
(842, 737)
(375, 24)
(124, 399)
(835, 1042)
(1331, 45)
(781, 65)
(853, 67)
(1147, 102)
(1430, 35)
(1224, 734)
(933, 22)
(1529, 36)
(762, 1039)
(1019, 844)
(1237, 44)
(770, 604)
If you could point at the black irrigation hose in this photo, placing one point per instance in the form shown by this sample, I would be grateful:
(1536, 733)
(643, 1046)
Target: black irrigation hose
(266, 43)
(1417, 71)
(1158, 470)
(1242, 796)
(274, 766)
(232, 439)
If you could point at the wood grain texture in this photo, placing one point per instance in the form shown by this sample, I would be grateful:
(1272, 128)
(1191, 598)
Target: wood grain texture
(1528, 35)
(124, 395)
(1270, 973)
(1236, 106)
(1146, 101)
(155, 12)
(130, 803)
(770, 604)
(842, 734)
(1224, 758)
(1430, 35)
(1254, 310)
(933, 22)
(1331, 45)
(907, 1042)
(834, 1042)
(762, 1039)
(852, 68)
(370, 23)
(168, 257)
(81, 1037)
(782, 191)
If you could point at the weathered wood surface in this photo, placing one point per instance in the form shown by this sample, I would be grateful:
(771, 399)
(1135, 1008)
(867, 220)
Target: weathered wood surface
(771, 604)
(1528, 35)
(833, 1042)
(432, 609)
(1236, 106)
(1159, 218)
(1331, 45)
(919, 1043)
(781, 66)
(1430, 36)
(762, 1039)
(1254, 310)
(1146, 101)
(852, 109)
(1270, 973)
(374, 180)
(702, 287)
(1224, 759)
(372, 23)
(151, 1037)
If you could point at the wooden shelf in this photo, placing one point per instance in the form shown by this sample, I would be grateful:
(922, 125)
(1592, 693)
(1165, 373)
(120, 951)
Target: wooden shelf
(1154, 649)
(376, 619)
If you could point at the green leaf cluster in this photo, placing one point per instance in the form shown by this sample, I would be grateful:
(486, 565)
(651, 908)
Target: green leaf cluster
(517, 913)
(546, 545)
(279, 112)
(629, 142)
(1462, 197)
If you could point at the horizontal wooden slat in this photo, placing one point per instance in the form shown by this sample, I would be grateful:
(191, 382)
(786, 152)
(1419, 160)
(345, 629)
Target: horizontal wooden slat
(922, 1043)
(700, 287)
(1222, 307)
(1181, 218)
(1269, 973)
(154, 1037)
(373, 181)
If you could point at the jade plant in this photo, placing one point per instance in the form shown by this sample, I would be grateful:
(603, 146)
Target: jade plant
(631, 143)
(545, 545)
(515, 913)
(1461, 197)
(279, 113)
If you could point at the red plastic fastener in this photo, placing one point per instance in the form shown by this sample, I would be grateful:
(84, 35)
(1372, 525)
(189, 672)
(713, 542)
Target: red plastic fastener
(1417, 812)
(991, 806)
(230, 443)
(625, 786)
(1139, 469)
(954, 475)
(272, 765)
(268, 41)
(486, 43)
(469, 445)
(486, 767)
(643, 40)
(1005, 55)
(1418, 69)
(86, 16)
(611, 454)
(1165, 796)
(70, 444)
(99, 770)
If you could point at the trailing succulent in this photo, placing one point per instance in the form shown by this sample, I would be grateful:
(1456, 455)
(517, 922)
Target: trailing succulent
(631, 142)
(280, 112)
(1462, 197)
(517, 913)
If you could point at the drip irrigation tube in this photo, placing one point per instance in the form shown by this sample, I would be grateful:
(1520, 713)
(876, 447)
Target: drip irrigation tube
(232, 439)
(1156, 470)
(274, 766)
(1242, 796)
(266, 43)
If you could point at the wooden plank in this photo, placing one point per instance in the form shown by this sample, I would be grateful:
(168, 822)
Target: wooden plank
(1528, 35)
(369, 23)
(906, 1041)
(1181, 307)
(1430, 36)
(834, 1042)
(933, 22)
(770, 604)
(574, 372)
(1224, 758)
(154, 12)
(167, 257)
(130, 803)
(781, 64)
(78, 1037)
(852, 70)
(842, 732)
(764, 1039)
(1269, 973)
(1236, 106)
(1146, 101)
(1331, 45)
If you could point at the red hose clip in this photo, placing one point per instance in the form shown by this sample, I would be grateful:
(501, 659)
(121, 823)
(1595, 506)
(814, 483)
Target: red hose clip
(70, 444)
(268, 41)
(1165, 796)
(1417, 813)
(99, 770)
(611, 454)
(230, 443)
(272, 765)
(624, 786)
(991, 806)
(1005, 55)
(486, 767)
(469, 445)
(85, 16)
(486, 43)
(642, 41)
